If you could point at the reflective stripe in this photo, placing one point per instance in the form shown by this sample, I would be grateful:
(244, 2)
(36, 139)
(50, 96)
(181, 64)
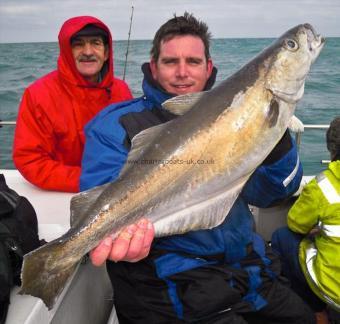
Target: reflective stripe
(311, 253)
(331, 230)
(288, 180)
(329, 191)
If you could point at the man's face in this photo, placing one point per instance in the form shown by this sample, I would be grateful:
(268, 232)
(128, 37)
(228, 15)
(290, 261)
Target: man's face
(182, 66)
(90, 54)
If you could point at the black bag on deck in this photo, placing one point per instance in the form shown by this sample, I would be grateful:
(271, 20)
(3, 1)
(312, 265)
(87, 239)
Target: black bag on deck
(18, 236)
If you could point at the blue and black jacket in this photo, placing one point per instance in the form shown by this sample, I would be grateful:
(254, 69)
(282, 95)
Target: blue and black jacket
(233, 244)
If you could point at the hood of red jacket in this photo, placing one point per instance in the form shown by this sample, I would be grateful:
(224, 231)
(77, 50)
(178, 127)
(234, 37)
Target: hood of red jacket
(66, 65)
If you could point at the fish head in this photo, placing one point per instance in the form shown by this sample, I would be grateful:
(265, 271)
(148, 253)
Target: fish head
(289, 60)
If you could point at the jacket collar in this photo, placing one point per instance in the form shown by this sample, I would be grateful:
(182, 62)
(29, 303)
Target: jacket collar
(335, 168)
(66, 65)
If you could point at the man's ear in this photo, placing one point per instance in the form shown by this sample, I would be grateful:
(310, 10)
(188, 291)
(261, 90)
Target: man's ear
(210, 67)
(153, 68)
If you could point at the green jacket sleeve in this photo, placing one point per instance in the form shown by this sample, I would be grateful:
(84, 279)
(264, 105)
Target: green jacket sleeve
(304, 214)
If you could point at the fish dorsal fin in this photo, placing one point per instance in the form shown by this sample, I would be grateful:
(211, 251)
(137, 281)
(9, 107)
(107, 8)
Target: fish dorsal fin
(140, 142)
(81, 202)
(181, 104)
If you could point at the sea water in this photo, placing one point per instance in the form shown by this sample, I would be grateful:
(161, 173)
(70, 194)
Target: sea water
(21, 64)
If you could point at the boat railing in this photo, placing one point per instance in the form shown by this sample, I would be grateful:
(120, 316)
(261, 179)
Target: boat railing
(6, 123)
(298, 135)
(308, 126)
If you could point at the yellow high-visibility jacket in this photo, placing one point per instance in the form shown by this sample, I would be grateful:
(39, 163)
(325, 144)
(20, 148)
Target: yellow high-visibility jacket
(319, 204)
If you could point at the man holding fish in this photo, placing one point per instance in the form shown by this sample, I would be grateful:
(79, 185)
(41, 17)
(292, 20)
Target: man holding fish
(220, 272)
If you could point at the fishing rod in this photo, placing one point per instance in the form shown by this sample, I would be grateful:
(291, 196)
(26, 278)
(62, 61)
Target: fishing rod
(128, 43)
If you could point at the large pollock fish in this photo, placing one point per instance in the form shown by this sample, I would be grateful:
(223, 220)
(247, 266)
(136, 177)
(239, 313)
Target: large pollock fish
(186, 174)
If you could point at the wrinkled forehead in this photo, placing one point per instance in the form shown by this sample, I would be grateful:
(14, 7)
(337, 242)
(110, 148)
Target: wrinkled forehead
(86, 38)
(182, 44)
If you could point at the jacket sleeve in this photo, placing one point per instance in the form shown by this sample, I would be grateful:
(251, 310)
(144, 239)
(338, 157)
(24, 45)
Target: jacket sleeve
(304, 214)
(277, 178)
(103, 156)
(34, 151)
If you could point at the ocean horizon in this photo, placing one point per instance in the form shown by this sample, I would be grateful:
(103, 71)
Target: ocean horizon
(23, 63)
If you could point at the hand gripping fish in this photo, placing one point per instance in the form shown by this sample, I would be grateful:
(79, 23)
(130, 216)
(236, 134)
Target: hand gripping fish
(185, 175)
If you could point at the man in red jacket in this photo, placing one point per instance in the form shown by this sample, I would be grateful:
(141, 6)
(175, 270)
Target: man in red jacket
(49, 138)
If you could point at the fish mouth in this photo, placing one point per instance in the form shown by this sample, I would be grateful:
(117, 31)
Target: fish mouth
(315, 41)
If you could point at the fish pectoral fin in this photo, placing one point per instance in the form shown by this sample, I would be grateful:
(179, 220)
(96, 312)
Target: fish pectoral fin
(81, 202)
(45, 273)
(140, 142)
(202, 210)
(181, 104)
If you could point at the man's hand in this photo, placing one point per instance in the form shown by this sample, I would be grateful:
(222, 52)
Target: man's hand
(132, 244)
(316, 230)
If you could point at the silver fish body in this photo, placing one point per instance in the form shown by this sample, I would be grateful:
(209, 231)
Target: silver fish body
(186, 174)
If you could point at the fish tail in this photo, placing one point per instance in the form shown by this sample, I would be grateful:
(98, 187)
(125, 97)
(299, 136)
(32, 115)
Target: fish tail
(45, 272)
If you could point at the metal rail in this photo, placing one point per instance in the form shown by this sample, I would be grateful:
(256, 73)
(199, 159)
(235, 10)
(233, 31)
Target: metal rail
(5, 123)
(316, 126)
(298, 135)
(308, 126)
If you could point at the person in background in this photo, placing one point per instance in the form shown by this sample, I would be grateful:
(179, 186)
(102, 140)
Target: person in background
(222, 275)
(310, 246)
(49, 138)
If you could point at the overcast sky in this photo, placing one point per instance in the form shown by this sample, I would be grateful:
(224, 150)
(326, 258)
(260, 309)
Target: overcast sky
(40, 20)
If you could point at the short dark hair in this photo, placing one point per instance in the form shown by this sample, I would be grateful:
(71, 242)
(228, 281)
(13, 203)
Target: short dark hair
(333, 138)
(182, 25)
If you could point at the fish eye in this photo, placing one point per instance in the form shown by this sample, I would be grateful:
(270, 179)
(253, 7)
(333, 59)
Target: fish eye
(291, 44)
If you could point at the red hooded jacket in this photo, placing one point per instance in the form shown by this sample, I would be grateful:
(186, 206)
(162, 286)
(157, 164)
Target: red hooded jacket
(49, 138)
